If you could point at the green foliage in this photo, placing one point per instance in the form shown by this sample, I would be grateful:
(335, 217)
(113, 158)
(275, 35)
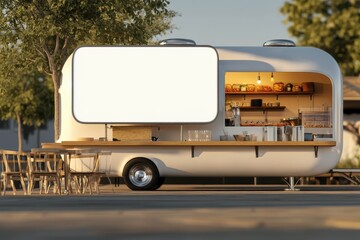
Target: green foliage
(332, 25)
(24, 91)
(350, 162)
(55, 28)
(47, 31)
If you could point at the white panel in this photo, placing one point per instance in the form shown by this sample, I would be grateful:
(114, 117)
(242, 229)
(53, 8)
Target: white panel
(174, 84)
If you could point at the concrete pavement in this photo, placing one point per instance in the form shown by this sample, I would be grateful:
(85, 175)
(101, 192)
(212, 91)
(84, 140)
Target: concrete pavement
(186, 212)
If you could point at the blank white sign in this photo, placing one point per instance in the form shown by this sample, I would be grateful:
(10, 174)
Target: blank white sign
(147, 84)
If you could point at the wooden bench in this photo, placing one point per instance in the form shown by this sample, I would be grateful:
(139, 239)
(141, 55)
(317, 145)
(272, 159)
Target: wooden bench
(350, 174)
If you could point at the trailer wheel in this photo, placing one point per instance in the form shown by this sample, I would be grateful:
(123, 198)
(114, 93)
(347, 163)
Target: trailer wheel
(159, 183)
(141, 174)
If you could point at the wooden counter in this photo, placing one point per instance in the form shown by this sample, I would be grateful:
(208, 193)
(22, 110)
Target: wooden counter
(72, 144)
(192, 144)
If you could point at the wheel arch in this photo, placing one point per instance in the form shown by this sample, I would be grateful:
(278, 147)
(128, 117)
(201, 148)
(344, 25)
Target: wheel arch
(152, 161)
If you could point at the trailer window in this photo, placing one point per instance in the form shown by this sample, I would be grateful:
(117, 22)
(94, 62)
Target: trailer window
(268, 98)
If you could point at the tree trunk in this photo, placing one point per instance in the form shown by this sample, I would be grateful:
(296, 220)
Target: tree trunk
(56, 80)
(18, 120)
(55, 76)
(55, 71)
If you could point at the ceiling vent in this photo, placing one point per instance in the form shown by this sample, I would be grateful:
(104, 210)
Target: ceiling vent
(279, 43)
(177, 41)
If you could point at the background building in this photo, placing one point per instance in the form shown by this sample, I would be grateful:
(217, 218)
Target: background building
(351, 149)
(33, 137)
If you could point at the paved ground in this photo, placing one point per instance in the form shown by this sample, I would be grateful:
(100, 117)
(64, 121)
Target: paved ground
(186, 212)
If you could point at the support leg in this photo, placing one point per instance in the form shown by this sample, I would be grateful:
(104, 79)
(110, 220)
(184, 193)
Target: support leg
(291, 183)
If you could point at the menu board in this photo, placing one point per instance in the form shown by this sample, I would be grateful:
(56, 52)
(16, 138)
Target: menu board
(145, 84)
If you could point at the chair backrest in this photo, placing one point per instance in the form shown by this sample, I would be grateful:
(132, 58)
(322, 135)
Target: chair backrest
(14, 162)
(1, 163)
(45, 162)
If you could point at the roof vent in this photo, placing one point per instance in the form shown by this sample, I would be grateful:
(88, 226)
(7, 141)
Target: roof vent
(177, 41)
(279, 43)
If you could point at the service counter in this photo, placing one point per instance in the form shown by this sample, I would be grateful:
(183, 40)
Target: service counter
(191, 144)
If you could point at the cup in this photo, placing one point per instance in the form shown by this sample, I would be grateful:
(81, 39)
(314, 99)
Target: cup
(299, 133)
(269, 133)
(280, 134)
(193, 135)
(223, 137)
(207, 135)
(253, 137)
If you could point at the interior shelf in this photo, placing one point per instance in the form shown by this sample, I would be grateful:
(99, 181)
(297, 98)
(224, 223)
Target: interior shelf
(277, 94)
(278, 108)
(269, 93)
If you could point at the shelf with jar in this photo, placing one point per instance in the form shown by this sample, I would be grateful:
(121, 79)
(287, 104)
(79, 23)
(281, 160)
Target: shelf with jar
(277, 90)
(277, 94)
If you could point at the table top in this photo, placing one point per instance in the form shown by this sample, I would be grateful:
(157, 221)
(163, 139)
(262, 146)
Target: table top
(94, 144)
(71, 150)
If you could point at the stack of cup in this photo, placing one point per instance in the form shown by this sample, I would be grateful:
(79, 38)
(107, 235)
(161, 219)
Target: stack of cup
(199, 135)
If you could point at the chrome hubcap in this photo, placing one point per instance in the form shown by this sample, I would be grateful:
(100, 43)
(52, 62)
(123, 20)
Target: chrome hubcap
(140, 175)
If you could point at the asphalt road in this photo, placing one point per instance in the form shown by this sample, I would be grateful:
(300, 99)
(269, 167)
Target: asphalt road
(186, 212)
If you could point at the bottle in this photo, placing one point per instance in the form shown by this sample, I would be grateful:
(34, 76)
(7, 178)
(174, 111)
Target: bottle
(236, 115)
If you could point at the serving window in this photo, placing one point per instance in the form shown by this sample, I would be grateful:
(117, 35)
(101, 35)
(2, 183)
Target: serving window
(279, 98)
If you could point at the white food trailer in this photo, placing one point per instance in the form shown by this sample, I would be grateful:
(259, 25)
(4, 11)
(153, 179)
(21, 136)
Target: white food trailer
(162, 110)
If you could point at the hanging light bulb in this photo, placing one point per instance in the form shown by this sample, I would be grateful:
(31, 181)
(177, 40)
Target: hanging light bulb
(272, 77)
(259, 80)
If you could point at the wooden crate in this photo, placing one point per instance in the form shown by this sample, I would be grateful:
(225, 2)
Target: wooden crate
(132, 133)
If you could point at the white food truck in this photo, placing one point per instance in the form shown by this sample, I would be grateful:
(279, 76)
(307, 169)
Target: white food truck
(199, 111)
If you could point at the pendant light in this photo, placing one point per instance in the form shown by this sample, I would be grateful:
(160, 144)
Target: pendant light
(259, 80)
(272, 77)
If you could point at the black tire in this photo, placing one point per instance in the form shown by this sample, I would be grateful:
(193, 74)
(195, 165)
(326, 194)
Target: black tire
(141, 174)
(159, 183)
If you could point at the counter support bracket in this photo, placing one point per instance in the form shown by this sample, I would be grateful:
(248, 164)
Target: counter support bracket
(192, 151)
(257, 151)
(316, 150)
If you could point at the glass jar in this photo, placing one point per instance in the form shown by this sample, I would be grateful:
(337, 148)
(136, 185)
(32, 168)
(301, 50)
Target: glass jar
(243, 87)
(288, 87)
(228, 88)
(236, 87)
(278, 87)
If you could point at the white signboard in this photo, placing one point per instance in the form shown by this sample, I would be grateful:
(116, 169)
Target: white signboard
(148, 84)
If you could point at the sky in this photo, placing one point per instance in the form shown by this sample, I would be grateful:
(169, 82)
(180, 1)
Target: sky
(228, 22)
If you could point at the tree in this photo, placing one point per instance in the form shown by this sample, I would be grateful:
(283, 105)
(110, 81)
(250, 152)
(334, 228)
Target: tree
(50, 30)
(25, 94)
(332, 25)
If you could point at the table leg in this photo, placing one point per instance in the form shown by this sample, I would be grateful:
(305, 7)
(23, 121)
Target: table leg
(66, 172)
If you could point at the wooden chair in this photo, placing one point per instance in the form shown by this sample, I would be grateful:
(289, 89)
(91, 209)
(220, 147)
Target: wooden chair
(47, 169)
(84, 173)
(13, 168)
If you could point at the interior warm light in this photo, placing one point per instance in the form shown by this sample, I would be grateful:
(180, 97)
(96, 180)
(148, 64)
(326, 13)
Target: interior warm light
(272, 77)
(258, 80)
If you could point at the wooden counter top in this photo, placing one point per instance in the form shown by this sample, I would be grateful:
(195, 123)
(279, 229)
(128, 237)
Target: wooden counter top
(72, 144)
(191, 145)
